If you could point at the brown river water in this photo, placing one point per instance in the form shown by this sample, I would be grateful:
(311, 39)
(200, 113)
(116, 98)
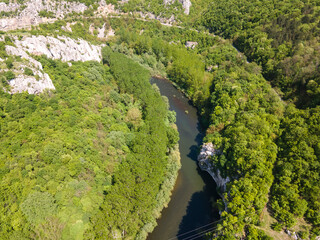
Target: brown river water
(190, 207)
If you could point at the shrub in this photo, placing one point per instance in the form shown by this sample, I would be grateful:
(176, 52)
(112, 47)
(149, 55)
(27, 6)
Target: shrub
(47, 14)
(276, 226)
(9, 62)
(28, 71)
(9, 75)
(38, 206)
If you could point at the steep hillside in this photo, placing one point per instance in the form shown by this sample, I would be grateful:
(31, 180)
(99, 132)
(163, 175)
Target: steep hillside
(74, 137)
(247, 124)
(94, 145)
(282, 36)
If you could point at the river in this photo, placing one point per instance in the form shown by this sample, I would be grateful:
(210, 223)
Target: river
(195, 191)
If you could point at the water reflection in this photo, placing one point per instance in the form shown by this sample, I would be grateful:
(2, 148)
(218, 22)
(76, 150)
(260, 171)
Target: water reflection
(191, 203)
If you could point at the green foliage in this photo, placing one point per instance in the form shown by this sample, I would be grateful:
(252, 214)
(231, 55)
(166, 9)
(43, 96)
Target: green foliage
(155, 6)
(9, 62)
(185, 67)
(50, 229)
(28, 71)
(71, 151)
(47, 14)
(277, 226)
(9, 75)
(3, 53)
(38, 206)
(243, 112)
(253, 233)
(295, 192)
(140, 175)
(282, 36)
(114, 139)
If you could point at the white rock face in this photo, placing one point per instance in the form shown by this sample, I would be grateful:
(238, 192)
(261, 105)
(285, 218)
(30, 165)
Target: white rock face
(8, 7)
(205, 164)
(64, 48)
(186, 4)
(191, 45)
(293, 235)
(165, 2)
(29, 83)
(101, 31)
(29, 16)
(106, 9)
(21, 53)
(7, 24)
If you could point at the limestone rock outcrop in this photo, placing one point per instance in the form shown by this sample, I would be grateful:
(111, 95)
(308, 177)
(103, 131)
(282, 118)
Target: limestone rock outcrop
(205, 164)
(32, 84)
(101, 31)
(63, 48)
(186, 4)
(292, 234)
(191, 45)
(28, 13)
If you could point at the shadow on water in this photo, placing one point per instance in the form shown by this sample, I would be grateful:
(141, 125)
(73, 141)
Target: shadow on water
(195, 191)
(196, 222)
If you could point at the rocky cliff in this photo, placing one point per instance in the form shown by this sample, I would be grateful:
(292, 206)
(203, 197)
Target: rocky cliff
(186, 4)
(27, 14)
(34, 84)
(63, 48)
(205, 164)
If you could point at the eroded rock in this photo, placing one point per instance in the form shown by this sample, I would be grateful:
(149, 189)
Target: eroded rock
(28, 13)
(186, 4)
(32, 84)
(63, 48)
(205, 164)
(191, 45)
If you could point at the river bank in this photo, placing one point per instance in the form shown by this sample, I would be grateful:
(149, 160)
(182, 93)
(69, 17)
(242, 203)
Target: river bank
(190, 206)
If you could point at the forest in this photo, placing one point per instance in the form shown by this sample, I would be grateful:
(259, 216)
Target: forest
(281, 36)
(99, 153)
(69, 156)
(270, 147)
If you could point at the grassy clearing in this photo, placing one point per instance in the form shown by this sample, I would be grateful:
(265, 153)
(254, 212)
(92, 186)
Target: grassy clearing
(266, 221)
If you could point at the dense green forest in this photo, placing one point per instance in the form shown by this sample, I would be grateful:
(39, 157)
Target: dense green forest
(281, 36)
(98, 154)
(246, 119)
(69, 157)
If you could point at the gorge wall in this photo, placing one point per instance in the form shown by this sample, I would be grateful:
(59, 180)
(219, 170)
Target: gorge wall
(205, 164)
(62, 48)
(27, 14)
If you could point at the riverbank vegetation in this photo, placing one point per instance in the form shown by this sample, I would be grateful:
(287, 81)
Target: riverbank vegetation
(247, 120)
(73, 159)
(283, 38)
(262, 115)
